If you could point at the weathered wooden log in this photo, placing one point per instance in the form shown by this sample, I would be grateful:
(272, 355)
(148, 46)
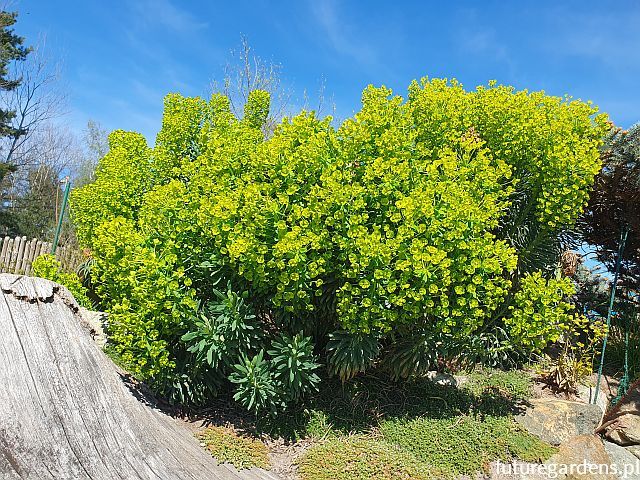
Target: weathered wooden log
(65, 412)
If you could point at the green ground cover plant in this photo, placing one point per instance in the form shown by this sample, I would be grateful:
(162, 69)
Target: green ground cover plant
(423, 229)
(360, 458)
(229, 447)
(442, 430)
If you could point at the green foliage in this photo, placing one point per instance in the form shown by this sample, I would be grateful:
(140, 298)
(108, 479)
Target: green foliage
(11, 49)
(318, 425)
(409, 231)
(34, 210)
(294, 365)
(122, 178)
(539, 313)
(225, 330)
(46, 266)
(515, 384)
(351, 353)
(229, 447)
(413, 355)
(444, 430)
(614, 205)
(284, 379)
(573, 364)
(256, 110)
(618, 350)
(255, 387)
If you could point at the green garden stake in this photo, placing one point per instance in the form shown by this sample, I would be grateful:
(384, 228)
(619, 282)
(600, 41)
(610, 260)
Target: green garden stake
(67, 188)
(623, 241)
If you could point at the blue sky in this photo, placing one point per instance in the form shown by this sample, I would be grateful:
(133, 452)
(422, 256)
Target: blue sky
(121, 57)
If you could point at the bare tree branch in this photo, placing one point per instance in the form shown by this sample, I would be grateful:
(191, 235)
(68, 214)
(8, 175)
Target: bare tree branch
(36, 100)
(246, 72)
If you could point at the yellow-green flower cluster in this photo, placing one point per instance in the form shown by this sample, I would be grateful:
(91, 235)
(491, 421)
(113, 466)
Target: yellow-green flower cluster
(393, 219)
(539, 313)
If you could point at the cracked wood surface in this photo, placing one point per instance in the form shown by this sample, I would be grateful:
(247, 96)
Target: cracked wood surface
(64, 410)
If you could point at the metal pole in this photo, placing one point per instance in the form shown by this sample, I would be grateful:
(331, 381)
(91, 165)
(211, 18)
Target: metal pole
(67, 189)
(623, 241)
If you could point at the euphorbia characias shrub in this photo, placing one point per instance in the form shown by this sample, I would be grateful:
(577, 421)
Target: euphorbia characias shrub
(405, 222)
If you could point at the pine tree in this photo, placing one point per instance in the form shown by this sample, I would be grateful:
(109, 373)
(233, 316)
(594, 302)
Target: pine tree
(614, 206)
(12, 49)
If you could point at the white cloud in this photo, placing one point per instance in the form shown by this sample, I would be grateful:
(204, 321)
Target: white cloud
(165, 14)
(338, 33)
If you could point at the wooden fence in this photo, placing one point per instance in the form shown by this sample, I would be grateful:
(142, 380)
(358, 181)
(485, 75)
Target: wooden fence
(17, 254)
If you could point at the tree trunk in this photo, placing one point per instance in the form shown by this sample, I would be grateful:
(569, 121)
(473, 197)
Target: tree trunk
(64, 410)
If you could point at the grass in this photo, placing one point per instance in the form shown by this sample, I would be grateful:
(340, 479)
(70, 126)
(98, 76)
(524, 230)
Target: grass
(228, 447)
(422, 428)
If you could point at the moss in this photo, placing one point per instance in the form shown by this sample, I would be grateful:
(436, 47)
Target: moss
(361, 458)
(228, 447)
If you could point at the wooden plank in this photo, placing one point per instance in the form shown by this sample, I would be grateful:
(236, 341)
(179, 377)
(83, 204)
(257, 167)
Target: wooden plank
(25, 256)
(32, 252)
(39, 248)
(22, 243)
(43, 249)
(3, 252)
(14, 254)
(7, 258)
(7, 254)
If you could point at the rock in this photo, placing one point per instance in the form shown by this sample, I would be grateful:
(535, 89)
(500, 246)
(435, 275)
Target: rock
(581, 458)
(442, 378)
(556, 421)
(634, 450)
(587, 393)
(621, 424)
(626, 463)
(625, 430)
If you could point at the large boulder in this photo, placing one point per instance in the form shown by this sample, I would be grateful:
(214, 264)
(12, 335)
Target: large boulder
(583, 457)
(634, 450)
(556, 421)
(626, 464)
